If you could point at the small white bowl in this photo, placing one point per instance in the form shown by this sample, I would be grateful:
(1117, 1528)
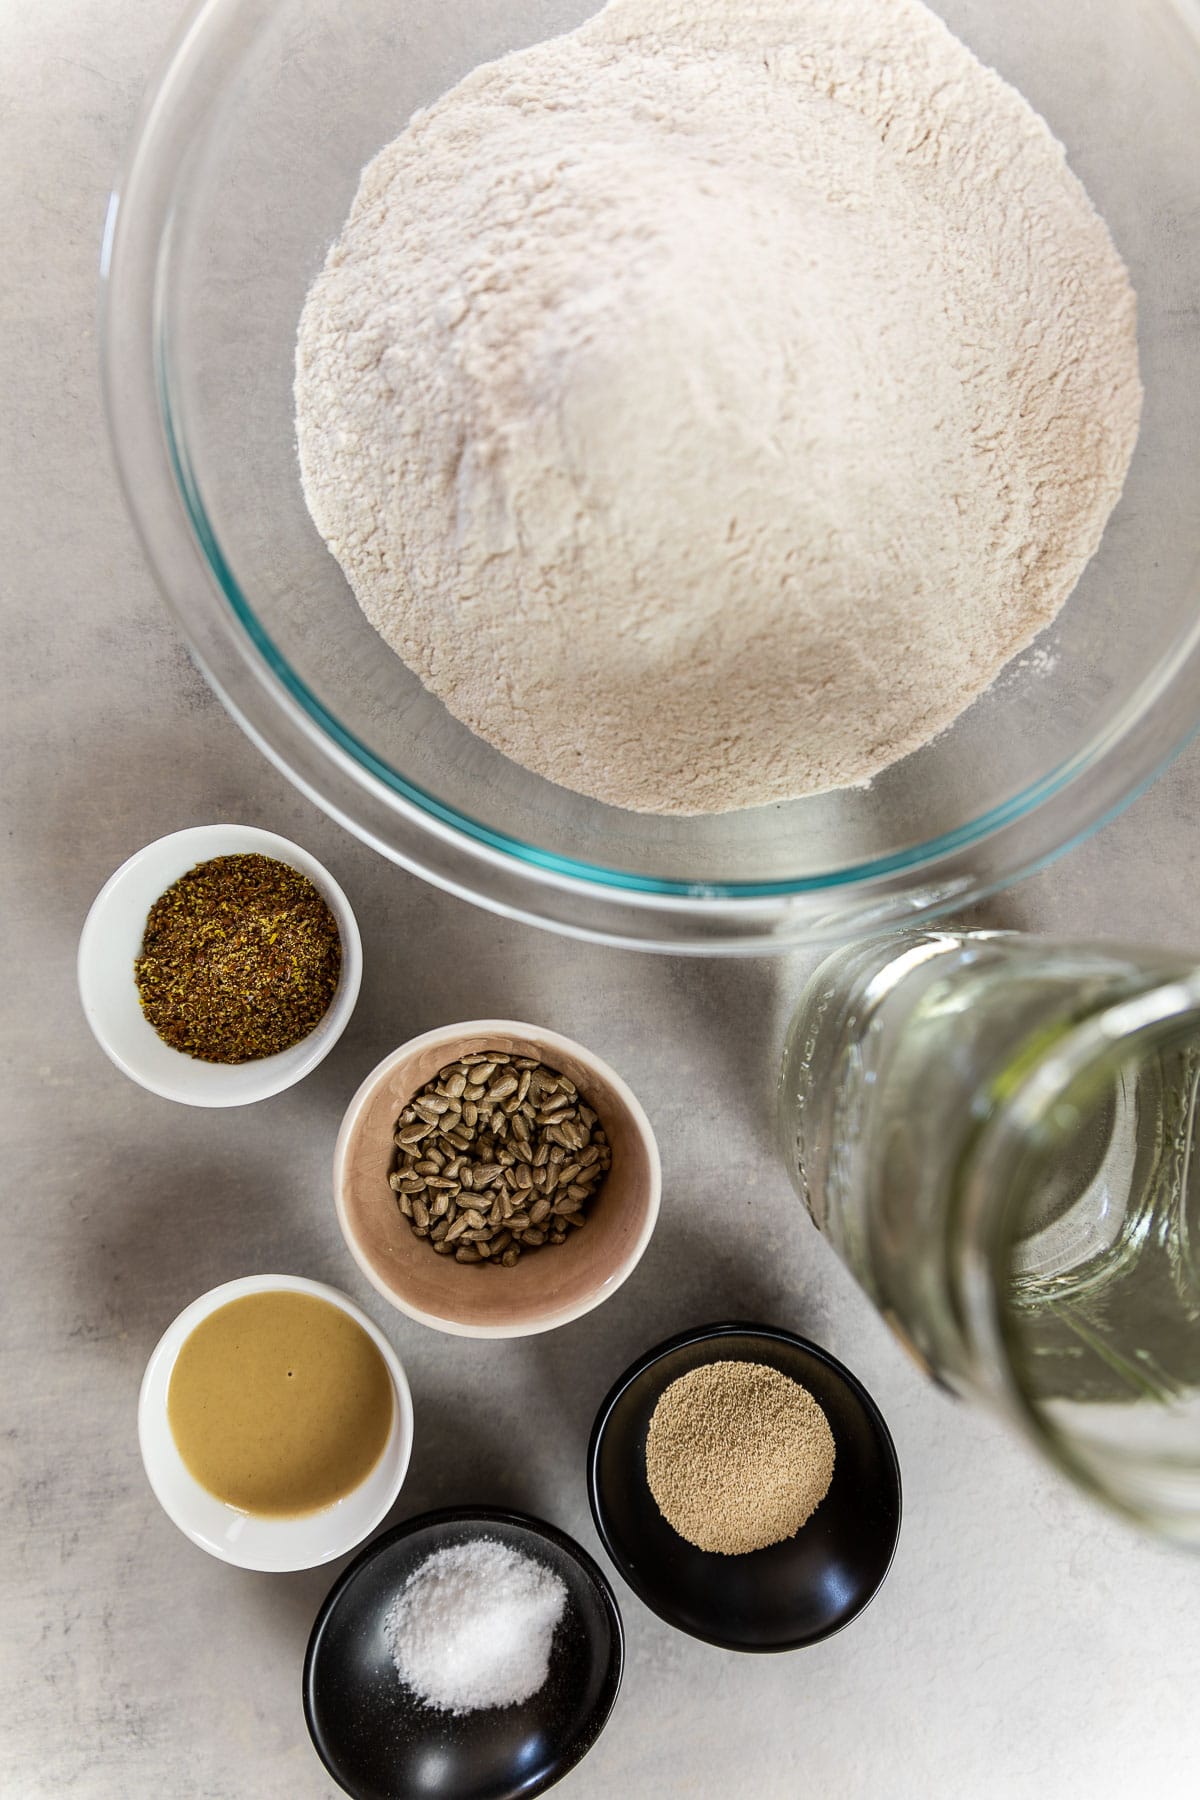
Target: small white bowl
(272, 1544)
(111, 941)
(543, 1291)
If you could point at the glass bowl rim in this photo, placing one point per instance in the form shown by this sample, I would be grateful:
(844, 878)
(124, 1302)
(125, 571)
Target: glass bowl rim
(135, 377)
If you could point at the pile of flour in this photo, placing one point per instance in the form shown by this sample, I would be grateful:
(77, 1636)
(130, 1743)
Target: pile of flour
(707, 404)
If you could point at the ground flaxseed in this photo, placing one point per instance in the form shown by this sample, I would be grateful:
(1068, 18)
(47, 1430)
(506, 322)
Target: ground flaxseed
(738, 1456)
(240, 959)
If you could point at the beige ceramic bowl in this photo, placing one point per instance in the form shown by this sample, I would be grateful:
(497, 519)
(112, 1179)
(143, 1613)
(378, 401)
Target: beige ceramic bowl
(545, 1289)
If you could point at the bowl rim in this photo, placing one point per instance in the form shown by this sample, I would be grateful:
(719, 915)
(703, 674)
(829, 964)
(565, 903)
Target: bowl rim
(713, 1334)
(552, 1041)
(265, 1076)
(277, 709)
(166, 1351)
(483, 1516)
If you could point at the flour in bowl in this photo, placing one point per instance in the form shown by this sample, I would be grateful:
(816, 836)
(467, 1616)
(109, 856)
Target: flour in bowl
(707, 404)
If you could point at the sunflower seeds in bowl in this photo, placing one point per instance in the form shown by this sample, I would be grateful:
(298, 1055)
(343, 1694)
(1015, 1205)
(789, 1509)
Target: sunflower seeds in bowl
(496, 1156)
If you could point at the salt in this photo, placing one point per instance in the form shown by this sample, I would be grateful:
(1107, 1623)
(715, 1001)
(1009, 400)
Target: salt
(473, 1626)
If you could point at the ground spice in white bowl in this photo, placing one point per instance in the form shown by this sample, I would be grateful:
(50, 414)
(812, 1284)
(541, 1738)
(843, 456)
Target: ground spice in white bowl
(738, 1456)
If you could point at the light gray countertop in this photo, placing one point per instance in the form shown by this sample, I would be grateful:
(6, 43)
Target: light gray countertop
(1024, 1644)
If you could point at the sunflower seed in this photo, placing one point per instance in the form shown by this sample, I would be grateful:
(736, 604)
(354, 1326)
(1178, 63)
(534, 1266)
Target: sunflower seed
(513, 1158)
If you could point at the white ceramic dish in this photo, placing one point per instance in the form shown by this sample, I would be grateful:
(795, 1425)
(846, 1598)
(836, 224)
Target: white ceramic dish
(112, 938)
(546, 1289)
(271, 1544)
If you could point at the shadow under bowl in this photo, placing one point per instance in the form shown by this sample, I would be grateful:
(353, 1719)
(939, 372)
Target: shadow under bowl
(379, 1742)
(786, 1596)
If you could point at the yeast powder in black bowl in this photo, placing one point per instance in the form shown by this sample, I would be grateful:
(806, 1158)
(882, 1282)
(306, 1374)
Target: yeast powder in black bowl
(789, 1594)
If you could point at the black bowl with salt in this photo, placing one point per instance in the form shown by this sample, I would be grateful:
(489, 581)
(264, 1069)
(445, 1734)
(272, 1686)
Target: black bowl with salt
(380, 1740)
(788, 1594)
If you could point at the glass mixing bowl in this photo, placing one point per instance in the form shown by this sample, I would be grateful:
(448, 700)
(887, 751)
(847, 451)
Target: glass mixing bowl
(243, 171)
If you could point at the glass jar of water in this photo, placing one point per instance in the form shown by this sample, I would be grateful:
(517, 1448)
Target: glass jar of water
(999, 1136)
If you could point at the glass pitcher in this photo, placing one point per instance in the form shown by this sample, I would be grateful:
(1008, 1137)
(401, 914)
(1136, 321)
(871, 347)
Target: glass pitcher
(999, 1136)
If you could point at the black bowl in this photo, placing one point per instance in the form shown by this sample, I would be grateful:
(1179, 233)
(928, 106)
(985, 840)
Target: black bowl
(379, 1742)
(790, 1594)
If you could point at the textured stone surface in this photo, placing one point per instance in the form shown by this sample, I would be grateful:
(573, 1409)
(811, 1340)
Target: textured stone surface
(1023, 1645)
